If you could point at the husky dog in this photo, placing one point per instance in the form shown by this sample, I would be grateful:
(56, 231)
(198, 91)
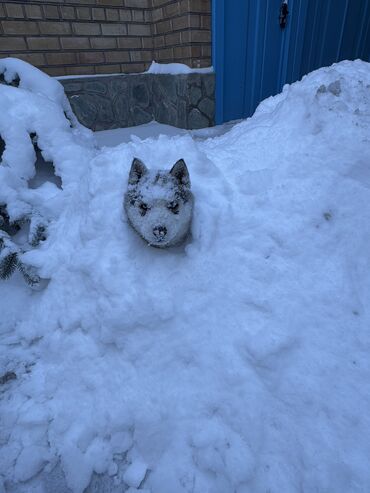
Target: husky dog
(159, 204)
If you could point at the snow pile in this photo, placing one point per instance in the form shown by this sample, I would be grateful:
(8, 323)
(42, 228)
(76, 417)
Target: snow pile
(37, 126)
(237, 363)
(23, 75)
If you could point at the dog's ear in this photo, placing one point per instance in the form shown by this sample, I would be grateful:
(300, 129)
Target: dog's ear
(137, 171)
(181, 173)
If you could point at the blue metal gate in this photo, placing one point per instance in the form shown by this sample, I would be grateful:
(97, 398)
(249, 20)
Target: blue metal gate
(254, 57)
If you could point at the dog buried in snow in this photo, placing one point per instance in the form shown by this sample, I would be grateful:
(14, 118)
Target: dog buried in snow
(159, 204)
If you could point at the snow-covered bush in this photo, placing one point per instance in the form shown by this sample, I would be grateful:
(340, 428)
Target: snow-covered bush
(37, 126)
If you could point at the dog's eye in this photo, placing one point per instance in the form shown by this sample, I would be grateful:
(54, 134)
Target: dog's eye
(173, 207)
(144, 208)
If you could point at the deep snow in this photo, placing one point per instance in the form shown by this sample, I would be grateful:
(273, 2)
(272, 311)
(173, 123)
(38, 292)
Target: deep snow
(237, 363)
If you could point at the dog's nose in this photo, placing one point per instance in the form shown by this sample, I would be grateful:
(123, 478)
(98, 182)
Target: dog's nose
(160, 232)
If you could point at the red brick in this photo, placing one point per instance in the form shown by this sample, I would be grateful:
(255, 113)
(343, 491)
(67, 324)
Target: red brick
(205, 21)
(196, 51)
(48, 27)
(114, 29)
(180, 22)
(128, 68)
(158, 3)
(125, 15)
(157, 15)
(103, 43)
(117, 56)
(194, 20)
(81, 2)
(141, 56)
(19, 27)
(201, 36)
(159, 41)
(41, 43)
(165, 54)
(33, 12)
(14, 10)
(147, 42)
(54, 71)
(200, 6)
(83, 13)
(12, 43)
(33, 58)
(67, 12)
(51, 12)
(112, 14)
(206, 50)
(182, 51)
(205, 62)
(61, 58)
(187, 61)
(108, 69)
(93, 57)
(172, 9)
(163, 27)
(173, 39)
(139, 29)
(138, 4)
(75, 43)
(185, 37)
(184, 6)
(98, 14)
(110, 3)
(80, 70)
(138, 16)
(128, 43)
(86, 28)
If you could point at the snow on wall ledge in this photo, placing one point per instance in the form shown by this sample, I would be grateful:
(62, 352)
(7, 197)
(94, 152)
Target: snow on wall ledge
(238, 363)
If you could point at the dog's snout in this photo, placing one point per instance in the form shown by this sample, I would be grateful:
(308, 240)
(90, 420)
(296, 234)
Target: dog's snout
(160, 232)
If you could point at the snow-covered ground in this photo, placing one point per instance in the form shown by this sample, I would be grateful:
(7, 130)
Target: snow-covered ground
(111, 138)
(238, 363)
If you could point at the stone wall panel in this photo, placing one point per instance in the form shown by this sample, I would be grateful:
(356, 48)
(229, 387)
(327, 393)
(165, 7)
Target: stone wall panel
(185, 101)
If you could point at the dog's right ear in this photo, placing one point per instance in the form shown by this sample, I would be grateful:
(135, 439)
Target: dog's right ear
(137, 171)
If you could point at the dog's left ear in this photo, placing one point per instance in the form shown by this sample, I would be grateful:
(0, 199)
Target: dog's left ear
(181, 173)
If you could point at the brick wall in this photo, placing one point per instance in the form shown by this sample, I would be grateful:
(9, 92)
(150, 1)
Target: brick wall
(69, 37)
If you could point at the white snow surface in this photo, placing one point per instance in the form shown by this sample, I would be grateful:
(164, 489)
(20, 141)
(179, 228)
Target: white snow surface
(34, 80)
(238, 363)
(175, 69)
(111, 138)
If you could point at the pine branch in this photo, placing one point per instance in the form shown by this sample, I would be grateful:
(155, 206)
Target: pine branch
(29, 274)
(8, 256)
(8, 264)
(10, 252)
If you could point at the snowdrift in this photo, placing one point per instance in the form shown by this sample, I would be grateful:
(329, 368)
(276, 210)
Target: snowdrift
(237, 363)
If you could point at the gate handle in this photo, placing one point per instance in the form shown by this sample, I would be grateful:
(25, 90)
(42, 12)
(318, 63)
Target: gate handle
(283, 14)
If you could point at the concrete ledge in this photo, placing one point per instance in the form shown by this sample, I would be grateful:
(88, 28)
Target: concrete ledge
(102, 103)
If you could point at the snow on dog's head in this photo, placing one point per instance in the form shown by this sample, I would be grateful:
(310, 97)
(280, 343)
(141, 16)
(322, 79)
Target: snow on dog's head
(159, 204)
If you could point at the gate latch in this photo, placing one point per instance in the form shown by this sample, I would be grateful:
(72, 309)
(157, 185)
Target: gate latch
(283, 14)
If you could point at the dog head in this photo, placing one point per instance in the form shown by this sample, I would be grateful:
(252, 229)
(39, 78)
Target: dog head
(159, 204)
